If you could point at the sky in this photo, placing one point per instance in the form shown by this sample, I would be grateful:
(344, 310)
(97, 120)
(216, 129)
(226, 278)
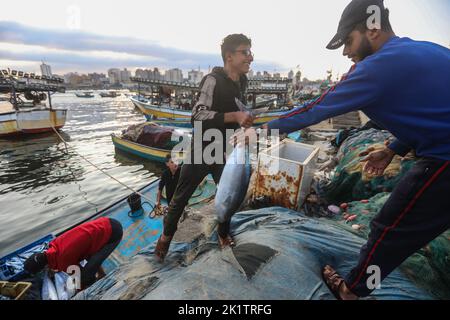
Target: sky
(95, 35)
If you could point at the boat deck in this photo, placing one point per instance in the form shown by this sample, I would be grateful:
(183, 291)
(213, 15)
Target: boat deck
(6, 107)
(141, 231)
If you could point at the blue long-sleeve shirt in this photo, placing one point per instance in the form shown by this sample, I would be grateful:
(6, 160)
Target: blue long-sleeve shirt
(404, 87)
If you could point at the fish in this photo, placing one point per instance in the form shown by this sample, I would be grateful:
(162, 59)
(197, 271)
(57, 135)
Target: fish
(62, 289)
(48, 289)
(243, 108)
(233, 183)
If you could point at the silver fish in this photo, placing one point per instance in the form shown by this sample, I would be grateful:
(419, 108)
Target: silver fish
(233, 184)
(48, 289)
(64, 293)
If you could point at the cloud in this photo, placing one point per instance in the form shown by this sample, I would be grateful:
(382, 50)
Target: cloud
(80, 44)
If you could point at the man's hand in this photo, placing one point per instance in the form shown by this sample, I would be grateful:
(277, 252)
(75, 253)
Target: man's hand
(377, 161)
(244, 119)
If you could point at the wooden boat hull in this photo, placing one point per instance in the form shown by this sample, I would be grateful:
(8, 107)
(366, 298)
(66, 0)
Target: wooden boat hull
(160, 112)
(31, 121)
(149, 153)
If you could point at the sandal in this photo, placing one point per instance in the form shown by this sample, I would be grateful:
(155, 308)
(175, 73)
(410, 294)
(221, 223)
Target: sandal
(162, 247)
(333, 281)
(228, 241)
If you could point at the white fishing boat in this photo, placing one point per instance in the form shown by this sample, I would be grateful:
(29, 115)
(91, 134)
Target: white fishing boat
(27, 110)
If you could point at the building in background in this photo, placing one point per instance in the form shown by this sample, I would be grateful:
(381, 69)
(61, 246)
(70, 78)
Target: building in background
(157, 74)
(46, 70)
(195, 76)
(175, 75)
(114, 76)
(125, 76)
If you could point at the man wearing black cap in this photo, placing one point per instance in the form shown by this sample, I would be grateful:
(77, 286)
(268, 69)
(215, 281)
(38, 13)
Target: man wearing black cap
(402, 85)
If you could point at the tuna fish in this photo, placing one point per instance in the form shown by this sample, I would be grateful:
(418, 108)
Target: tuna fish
(61, 280)
(48, 288)
(233, 183)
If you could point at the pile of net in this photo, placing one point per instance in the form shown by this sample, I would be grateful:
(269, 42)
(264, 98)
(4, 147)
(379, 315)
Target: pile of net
(279, 254)
(350, 182)
(357, 197)
(428, 267)
(152, 135)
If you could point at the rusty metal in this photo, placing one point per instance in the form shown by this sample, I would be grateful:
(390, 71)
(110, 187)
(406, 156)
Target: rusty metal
(282, 179)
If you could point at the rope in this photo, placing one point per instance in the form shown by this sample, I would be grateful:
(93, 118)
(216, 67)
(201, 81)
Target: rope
(98, 168)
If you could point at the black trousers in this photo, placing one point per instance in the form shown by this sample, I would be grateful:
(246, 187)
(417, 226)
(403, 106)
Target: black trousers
(96, 260)
(417, 212)
(191, 176)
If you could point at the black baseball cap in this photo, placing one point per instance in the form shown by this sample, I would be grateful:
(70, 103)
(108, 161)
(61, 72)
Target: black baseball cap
(354, 13)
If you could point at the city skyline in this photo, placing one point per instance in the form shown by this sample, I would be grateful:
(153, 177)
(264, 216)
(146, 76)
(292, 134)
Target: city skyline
(81, 37)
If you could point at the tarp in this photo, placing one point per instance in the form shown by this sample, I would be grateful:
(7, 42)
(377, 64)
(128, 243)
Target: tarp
(150, 135)
(279, 255)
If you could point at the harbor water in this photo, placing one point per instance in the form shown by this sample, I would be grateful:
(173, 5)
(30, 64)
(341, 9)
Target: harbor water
(45, 188)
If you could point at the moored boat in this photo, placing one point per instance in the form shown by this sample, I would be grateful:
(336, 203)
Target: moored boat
(150, 141)
(26, 111)
(86, 94)
(181, 118)
(109, 94)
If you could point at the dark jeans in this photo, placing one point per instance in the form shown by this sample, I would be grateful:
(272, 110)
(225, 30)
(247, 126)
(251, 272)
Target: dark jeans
(191, 176)
(417, 212)
(96, 260)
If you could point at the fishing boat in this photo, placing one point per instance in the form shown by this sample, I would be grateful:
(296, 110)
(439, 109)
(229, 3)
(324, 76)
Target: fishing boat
(19, 115)
(109, 94)
(140, 150)
(147, 152)
(184, 124)
(182, 118)
(159, 112)
(86, 94)
(139, 230)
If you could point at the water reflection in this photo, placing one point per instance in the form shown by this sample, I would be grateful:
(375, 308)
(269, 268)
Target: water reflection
(45, 188)
(36, 162)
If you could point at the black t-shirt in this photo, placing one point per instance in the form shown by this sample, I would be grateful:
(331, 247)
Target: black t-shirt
(170, 182)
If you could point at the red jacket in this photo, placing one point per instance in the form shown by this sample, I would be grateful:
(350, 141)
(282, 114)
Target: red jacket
(78, 244)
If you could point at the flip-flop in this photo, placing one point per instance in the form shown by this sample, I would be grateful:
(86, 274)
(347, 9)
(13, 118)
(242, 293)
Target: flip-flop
(333, 282)
(225, 242)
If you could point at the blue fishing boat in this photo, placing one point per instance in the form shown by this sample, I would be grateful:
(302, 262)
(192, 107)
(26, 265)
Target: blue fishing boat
(139, 230)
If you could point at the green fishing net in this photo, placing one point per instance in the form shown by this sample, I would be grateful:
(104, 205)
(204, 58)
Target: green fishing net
(428, 268)
(349, 182)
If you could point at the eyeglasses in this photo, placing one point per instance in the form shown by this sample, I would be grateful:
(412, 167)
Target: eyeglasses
(246, 52)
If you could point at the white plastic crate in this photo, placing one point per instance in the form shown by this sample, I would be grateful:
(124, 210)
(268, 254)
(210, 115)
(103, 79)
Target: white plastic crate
(285, 172)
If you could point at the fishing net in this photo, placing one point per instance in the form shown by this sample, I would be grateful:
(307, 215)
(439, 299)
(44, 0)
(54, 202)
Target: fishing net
(350, 182)
(428, 267)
